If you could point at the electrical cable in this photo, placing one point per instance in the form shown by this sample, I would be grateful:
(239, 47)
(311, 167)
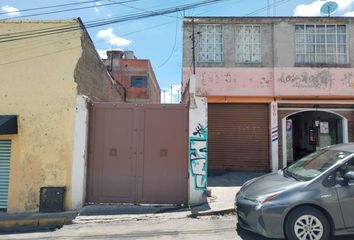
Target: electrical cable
(69, 10)
(140, 9)
(40, 32)
(173, 48)
(54, 6)
(277, 3)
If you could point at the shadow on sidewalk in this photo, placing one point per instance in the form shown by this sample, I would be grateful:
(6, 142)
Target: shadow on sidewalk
(230, 179)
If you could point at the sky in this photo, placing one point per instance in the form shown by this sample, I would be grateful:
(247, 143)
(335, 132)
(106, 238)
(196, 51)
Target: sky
(158, 39)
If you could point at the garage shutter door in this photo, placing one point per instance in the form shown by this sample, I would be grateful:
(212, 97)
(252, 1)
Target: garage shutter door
(238, 137)
(5, 154)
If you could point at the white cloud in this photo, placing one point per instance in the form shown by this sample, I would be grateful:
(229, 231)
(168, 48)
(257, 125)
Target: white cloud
(11, 11)
(313, 9)
(112, 39)
(166, 94)
(102, 53)
(344, 5)
(349, 14)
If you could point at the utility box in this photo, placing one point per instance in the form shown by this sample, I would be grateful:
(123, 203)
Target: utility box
(51, 199)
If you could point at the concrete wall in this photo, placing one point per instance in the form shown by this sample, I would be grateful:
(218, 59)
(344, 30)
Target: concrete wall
(41, 78)
(198, 147)
(80, 151)
(274, 82)
(37, 84)
(277, 74)
(92, 77)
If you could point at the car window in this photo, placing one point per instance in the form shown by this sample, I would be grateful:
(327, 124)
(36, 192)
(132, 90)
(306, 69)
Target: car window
(347, 167)
(316, 163)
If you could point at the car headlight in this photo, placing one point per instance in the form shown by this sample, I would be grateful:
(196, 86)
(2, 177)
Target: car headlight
(267, 197)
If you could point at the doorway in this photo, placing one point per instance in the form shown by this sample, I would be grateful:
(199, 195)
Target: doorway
(309, 130)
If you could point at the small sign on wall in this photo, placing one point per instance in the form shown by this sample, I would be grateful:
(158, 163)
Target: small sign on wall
(289, 126)
(324, 129)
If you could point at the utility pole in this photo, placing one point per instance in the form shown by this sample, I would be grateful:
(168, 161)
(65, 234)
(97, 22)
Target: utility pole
(164, 99)
(171, 94)
(193, 47)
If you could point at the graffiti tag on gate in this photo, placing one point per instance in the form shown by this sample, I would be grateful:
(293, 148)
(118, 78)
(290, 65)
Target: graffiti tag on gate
(198, 154)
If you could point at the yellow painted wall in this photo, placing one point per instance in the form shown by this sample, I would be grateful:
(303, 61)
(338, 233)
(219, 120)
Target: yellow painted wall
(37, 84)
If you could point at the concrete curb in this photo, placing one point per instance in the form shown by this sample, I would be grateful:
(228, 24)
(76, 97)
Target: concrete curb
(34, 221)
(212, 213)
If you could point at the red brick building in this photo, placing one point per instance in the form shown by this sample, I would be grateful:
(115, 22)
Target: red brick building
(135, 75)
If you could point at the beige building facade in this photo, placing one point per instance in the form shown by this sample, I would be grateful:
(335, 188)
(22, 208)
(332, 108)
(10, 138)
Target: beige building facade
(47, 80)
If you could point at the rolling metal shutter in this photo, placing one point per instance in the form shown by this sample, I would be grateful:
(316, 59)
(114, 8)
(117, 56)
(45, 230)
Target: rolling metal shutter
(5, 155)
(238, 137)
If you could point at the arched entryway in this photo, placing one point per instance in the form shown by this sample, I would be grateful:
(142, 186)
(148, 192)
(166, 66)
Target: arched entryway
(307, 130)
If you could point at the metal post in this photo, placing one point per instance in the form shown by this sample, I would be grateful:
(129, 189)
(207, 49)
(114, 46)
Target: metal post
(193, 48)
(171, 94)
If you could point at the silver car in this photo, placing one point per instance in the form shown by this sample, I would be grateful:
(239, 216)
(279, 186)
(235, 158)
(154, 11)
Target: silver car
(312, 199)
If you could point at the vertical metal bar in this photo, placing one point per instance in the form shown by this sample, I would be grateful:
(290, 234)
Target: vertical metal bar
(193, 47)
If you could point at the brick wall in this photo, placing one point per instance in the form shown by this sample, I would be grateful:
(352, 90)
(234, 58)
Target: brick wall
(92, 77)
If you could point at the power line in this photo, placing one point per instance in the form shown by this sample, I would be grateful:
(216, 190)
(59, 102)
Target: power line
(144, 29)
(141, 9)
(70, 10)
(173, 48)
(274, 4)
(40, 32)
(54, 6)
(50, 28)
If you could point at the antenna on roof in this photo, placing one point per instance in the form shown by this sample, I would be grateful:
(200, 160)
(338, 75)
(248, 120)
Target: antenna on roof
(329, 8)
(274, 8)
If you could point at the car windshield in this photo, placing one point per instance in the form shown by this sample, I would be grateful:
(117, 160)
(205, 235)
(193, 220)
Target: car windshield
(314, 164)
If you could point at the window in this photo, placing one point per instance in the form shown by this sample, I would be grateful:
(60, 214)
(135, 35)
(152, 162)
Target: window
(138, 81)
(315, 164)
(321, 44)
(248, 44)
(347, 167)
(210, 44)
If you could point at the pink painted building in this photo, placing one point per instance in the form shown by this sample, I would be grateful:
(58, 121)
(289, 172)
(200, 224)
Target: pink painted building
(277, 88)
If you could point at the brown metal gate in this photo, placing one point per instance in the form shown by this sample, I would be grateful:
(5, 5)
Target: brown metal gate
(138, 153)
(238, 137)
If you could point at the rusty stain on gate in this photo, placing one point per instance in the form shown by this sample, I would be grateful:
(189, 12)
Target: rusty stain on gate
(138, 153)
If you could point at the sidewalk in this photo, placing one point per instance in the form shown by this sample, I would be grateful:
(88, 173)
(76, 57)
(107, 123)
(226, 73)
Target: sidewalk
(223, 187)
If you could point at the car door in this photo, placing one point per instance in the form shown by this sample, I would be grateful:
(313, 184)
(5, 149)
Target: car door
(345, 192)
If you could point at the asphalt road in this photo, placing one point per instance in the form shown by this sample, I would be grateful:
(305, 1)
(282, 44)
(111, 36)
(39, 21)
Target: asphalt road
(206, 228)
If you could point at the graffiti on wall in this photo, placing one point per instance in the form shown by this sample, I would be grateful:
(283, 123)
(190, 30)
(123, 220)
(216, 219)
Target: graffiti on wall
(198, 154)
(348, 80)
(321, 79)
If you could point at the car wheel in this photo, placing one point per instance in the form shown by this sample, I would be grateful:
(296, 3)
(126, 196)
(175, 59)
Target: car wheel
(307, 223)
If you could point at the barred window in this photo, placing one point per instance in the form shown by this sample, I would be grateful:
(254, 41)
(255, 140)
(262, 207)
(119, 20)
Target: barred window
(321, 44)
(248, 44)
(210, 43)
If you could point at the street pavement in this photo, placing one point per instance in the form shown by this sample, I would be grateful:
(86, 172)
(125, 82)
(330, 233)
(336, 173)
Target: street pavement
(156, 222)
(206, 228)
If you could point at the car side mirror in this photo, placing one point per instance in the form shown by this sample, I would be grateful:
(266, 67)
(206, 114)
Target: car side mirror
(349, 176)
